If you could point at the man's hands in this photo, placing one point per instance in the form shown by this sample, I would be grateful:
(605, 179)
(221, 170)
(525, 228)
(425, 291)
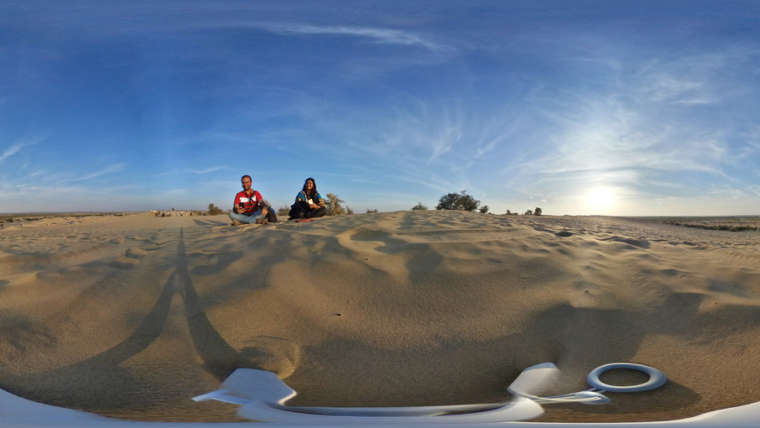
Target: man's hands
(241, 210)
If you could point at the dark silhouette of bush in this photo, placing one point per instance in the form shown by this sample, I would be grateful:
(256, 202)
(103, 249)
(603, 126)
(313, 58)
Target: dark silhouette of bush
(369, 211)
(537, 211)
(458, 201)
(212, 210)
(529, 212)
(484, 209)
(419, 206)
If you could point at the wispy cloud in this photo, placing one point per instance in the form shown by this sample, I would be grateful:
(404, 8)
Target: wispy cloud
(605, 141)
(207, 170)
(108, 170)
(667, 87)
(15, 148)
(377, 35)
(195, 171)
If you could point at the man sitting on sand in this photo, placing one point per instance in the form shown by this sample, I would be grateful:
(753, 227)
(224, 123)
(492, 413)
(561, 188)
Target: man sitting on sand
(250, 206)
(309, 203)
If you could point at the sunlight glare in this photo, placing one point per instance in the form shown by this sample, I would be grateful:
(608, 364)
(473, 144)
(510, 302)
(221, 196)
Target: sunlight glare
(600, 200)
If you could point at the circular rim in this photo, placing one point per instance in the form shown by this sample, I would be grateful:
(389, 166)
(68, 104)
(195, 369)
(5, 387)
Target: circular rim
(656, 378)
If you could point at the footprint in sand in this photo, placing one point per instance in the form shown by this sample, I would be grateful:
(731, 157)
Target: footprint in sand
(49, 275)
(124, 263)
(130, 259)
(135, 253)
(274, 354)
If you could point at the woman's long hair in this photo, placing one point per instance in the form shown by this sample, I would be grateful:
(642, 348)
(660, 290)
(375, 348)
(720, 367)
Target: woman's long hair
(313, 190)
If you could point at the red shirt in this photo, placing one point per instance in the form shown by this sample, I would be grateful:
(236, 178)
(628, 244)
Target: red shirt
(250, 203)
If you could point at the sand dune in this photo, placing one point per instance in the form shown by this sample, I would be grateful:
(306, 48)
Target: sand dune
(131, 316)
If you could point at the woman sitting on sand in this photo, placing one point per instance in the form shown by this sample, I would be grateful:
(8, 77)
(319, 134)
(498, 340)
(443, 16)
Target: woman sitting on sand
(309, 203)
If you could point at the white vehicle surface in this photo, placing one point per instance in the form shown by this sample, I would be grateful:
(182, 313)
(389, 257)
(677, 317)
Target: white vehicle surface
(262, 397)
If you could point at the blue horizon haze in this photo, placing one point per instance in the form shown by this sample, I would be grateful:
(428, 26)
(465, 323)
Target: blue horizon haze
(583, 107)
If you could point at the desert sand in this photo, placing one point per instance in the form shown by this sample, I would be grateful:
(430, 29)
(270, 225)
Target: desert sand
(132, 316)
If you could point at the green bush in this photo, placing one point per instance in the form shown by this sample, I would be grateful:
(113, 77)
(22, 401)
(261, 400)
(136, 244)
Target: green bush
(458, 201)
(335, 205)
(419, 206)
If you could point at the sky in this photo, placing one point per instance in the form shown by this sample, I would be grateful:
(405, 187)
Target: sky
(577, 107)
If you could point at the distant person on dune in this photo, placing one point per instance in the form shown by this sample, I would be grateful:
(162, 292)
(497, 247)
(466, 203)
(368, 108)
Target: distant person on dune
(250, 206)
(309, 203)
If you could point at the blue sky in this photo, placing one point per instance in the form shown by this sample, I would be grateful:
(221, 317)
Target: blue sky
(579, 107)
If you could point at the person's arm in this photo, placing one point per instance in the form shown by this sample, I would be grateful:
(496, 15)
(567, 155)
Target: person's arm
(311, 202)
(321, 201)
(235, 203)
(260, 202)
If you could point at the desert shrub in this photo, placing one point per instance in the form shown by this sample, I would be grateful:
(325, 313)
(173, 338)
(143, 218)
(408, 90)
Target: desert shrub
(529, 212)
(212, 209)
(349, 211)
(369, 211)
(458, 201)
(537, 211)
(283, 211)
(419, 206)
(334, 205)
(484, 209)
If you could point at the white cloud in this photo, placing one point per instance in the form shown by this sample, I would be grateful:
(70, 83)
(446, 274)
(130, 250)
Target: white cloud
(378, 35)
(107, 170)
(207, 170)
(607, 140)
(15, 148)
(196, 171)
(662, 86)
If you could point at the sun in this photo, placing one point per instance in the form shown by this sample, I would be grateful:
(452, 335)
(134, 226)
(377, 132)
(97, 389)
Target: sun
(600, 200)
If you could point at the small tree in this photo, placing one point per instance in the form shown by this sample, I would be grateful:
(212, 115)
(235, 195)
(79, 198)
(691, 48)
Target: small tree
(334, 205)
(529, 212)
(419, 207)
(458, 201)
(484, 209)
(212, 209)
(369, 211)
(349, 211)
(537, 211)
